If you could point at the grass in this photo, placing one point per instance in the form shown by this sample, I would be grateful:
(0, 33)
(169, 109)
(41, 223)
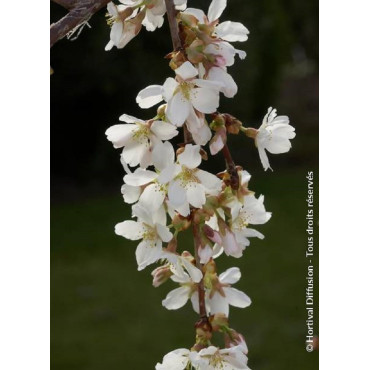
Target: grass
(106, 315)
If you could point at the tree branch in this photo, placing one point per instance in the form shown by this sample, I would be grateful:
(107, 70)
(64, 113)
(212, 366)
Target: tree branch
(68, 4)
(231, 168)
(174, 29)
(80, 13)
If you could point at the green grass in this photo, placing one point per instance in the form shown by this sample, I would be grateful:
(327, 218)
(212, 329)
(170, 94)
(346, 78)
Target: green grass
(106, 315)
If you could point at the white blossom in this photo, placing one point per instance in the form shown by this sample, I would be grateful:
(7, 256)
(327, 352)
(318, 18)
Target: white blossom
(182, 95)
(151, 228)
(221, 297)
(273, 136)
(138, 138)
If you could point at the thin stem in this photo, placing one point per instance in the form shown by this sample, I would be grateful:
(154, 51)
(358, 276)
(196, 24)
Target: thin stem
(201, 293)
(174, 29)
(231, 168)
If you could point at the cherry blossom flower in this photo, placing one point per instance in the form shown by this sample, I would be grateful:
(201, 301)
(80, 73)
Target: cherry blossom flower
(220, 359)
(222, 294)
(126, 24)
(209, 358)
(228, 31)
(182, 95)
(151, 228)
(182, 181)
(138, 138)
(175, 360)
(273, 136)
(178, 297)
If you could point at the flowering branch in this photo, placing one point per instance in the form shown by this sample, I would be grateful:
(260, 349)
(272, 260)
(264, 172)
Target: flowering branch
(170, 185)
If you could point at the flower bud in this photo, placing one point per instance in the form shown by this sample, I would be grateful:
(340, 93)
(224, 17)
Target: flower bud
(161, 275)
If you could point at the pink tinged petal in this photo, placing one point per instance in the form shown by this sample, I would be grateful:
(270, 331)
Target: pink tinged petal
(205, 253)
(130, 193)
(150, 96)
(178, 109)
(202, 135)
(219, 304)
(164, 233)
(190, 157)
(232, 31)
(177, 298)
(120, 135)
(169, 88)
(116, 32)
(217, 143)
(195, 274)
(186, 71)
(237, 298)
(194, 122)
(130, 229)
(230, 245)
(152, 197)
(176, 194)
(163, 155)
(217, 251)
(205, 100)
(211, 182)
(216, 9)
(146, 254)
(230, 276)
(163, 130)
(140, 177)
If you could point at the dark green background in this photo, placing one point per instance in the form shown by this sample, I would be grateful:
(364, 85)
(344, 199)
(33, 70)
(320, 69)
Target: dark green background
(104, 313)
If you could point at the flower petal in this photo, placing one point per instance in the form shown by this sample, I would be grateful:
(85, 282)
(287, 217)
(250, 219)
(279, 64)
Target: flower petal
(150, 96)
(195, 195)
(190, 157)
(232, 31)
(130, 229)
(237, 298)
(205, 100)
(219, 304)
(177, 298)
(164, 233)
(139, 177)
(152, 197)
(178, 109)
(176, 194)
(130, 193)
(186, 71)
(230, 276)
(163, 130)
(215, 9)
(146, 254)
(120, 134)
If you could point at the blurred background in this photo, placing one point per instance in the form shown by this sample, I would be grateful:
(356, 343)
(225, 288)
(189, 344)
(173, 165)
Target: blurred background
(104, 313)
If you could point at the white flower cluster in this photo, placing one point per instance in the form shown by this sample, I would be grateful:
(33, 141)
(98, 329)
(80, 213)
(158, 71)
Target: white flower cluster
(168, 191)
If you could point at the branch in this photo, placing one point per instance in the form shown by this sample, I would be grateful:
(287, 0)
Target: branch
(81, 12)
(231, 168)
(174, 29)
(68, 4)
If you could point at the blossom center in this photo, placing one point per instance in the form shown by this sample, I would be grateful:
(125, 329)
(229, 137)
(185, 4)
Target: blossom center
(141, 134)
(188, 176)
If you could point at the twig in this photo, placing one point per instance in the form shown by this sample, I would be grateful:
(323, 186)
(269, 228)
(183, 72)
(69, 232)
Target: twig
(231, 168)
(82, 11)
(174, 29)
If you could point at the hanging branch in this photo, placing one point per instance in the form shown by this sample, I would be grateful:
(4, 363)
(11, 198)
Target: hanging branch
(80, 11)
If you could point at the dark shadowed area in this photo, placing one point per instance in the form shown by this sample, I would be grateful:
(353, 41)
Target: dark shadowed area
(104, 313)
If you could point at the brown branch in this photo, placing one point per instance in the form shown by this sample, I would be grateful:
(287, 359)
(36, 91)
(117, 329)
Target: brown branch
(174, 29)
(68, 4)
(82, 12)
(231, 168)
